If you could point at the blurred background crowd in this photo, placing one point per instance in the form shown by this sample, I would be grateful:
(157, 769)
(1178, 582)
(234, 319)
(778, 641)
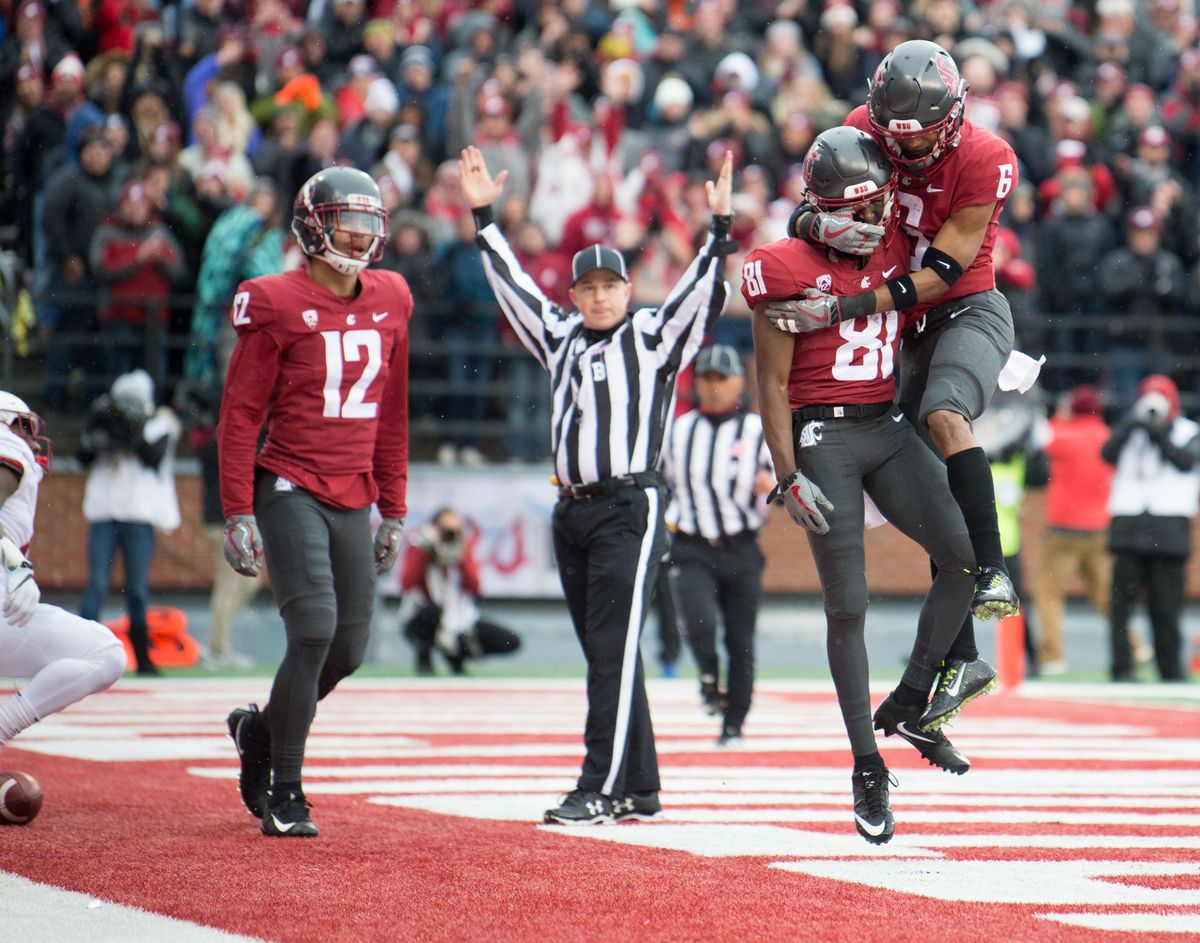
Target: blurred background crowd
(150, 152)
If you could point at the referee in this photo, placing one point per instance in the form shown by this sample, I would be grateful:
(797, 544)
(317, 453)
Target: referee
(719, 469)
(612, 378)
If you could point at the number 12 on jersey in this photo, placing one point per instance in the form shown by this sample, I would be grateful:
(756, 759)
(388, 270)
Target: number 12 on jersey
(349, 347)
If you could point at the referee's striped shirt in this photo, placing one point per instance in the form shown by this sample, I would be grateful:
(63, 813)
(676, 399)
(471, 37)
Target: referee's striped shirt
(612, 391)
(710, 466)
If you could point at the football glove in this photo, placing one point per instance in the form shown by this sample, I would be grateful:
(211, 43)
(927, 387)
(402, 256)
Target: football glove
(812, 312)
(803, 501)
(243, 544)
(846, 234)
(22, 592)
(389, 539)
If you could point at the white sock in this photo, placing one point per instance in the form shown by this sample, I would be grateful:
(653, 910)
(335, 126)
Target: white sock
(15, 715)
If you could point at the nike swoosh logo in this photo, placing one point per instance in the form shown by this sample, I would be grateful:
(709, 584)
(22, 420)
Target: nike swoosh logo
(955, 314)
(379, 317)
(887, 272)
(282, 826)
(932, 189)
(902, 727)
(868, 827)
(957, 685)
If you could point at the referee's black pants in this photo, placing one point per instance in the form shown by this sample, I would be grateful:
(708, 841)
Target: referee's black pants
(608, 550)
(725, 577)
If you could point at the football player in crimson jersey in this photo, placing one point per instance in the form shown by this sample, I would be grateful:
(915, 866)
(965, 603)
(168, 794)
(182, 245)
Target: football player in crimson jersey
(954, 180)
(834, 431)
(322, 359)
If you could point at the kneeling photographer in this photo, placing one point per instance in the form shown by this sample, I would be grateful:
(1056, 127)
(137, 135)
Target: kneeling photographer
(1155, 494)
(128, 448)
(443, 577)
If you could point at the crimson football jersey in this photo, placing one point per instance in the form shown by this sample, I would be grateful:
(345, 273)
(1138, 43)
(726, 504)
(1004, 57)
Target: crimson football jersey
(981, 170)
(322, 371)
(852, 361)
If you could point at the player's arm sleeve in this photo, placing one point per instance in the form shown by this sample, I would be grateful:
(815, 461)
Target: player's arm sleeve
(390, 464)
(253, 370)
(538, 322)
(695, 302)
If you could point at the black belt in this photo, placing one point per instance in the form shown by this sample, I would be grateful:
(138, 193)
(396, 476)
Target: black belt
(849, 411)
(607, 486)
(726, 541)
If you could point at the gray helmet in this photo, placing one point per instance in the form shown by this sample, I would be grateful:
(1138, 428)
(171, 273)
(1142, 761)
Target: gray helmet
(915, 90)
(340, 198)
(847, 168)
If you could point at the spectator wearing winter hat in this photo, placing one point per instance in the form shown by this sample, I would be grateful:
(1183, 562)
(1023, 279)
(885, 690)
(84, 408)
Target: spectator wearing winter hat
(1076, 517)
(843, 61)
(29, 44)
(417, 87)
(1155, 494)
(199, 25)
(1029, 141)
(68, 99)
(666, 125)
(364, 142)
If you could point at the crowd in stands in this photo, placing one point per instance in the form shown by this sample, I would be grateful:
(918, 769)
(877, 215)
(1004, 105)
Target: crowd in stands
(150, 153)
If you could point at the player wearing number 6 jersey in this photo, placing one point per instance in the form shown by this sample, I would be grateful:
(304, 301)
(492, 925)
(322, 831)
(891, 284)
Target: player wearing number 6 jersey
(954, 179)
(322, 358)
(833, 431)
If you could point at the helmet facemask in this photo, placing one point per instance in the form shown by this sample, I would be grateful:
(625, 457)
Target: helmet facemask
(353, 219)
(27, 425)
(949, 131)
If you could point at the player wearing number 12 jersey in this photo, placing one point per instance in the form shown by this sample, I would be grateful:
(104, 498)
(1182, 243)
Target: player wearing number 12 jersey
(833, 432)
(322, 358)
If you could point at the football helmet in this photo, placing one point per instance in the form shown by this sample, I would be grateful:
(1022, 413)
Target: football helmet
(16, 414)
(917, 89)
(845, 170)
(340, 199)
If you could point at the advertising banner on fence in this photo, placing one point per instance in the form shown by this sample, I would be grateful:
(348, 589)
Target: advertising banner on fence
(507, 514)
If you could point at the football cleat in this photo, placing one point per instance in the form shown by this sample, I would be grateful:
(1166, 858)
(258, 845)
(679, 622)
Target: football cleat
(289, 818)
(995, 594)
(731, 736)
(960, 683)
(636, 807)
(710, 695)
(254, 778)
(872, 809)
(892, 718)
(580, 807)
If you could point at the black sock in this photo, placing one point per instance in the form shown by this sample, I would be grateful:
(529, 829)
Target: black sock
(870, 761)
(971, 484)
(281, 789)
(908, 696)
(963, 648)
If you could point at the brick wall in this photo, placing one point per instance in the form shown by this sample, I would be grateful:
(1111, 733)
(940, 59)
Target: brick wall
(183, 560)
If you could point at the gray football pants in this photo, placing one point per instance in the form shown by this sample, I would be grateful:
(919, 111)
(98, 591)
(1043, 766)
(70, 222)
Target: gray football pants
(908, 483)
(322, 567)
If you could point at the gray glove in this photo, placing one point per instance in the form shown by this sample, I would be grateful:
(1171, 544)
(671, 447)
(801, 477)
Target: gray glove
(803, 501)
(243, 544)
(812, 312)
(389, 540)
(846, 234)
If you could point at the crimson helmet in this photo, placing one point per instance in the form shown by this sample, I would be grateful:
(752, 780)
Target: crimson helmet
(915, 90)
(846, 169)
(16, 414)
(340, 199)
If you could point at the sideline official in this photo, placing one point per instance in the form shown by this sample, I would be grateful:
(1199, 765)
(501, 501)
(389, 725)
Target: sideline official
(719, 469)
(612, 378)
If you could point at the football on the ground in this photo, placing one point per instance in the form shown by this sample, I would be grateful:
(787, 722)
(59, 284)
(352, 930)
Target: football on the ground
(20, 798)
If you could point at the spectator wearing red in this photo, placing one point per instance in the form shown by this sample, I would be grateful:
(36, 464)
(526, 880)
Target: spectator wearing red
(1076, 518)
(135, 258)
(595, 223)
(117, 22)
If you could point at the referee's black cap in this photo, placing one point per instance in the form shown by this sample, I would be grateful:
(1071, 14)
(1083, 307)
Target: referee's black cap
(719, 358)
(598, 257)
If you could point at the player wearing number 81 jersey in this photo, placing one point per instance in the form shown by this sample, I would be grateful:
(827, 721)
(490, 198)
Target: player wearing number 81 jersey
(833, 432)
(322, 358)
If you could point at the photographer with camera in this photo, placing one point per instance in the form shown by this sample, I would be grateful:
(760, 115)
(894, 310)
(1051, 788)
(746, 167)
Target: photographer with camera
(128, 448)
(1155, 494)
(439, 568)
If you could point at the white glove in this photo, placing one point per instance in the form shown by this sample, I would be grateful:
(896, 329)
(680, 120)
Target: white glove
(812, 312)
(803, 501)
(389, 540)
(846, 234)
(243, 544)
(23, 592)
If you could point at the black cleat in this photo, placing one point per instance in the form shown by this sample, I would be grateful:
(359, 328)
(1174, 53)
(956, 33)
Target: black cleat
(892, 718)
(995, 595)
(288, 818)
(636, 807)
(731, 736)
(580, 807)
(960, 683)
(254, 779)
(872, 810)
(710, 696)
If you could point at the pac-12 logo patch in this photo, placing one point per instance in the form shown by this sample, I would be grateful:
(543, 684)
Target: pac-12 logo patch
(824, 283)
(310, 317)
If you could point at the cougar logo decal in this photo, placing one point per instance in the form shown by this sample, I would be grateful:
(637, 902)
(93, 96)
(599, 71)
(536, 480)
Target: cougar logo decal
(810, 435)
